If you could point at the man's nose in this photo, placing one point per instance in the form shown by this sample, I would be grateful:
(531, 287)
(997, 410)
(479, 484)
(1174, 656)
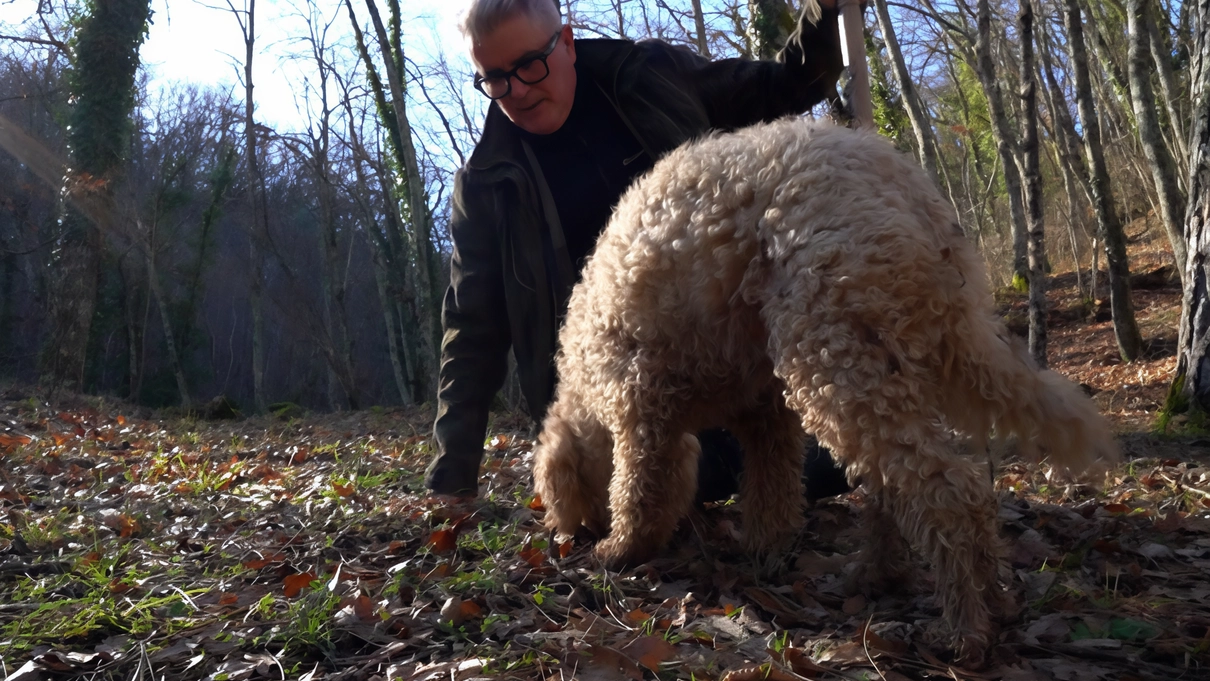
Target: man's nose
(519, 89)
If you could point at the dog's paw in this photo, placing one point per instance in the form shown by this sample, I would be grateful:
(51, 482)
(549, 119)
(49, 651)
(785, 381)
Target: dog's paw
(616, 554)
(771, 565)
(873, 579)
(763, 540)
(970, 652)
(970, 648)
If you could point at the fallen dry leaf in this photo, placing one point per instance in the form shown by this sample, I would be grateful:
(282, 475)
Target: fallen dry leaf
(9, 443)
(650, 651)
(295, 583)
(442, 541)
(258, 563)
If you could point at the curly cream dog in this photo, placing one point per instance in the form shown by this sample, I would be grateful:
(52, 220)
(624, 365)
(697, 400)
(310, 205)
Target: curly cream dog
(794, 276)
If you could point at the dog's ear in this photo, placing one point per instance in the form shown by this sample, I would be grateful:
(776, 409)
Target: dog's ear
(555, 448)
(573, 463)
(556, 477)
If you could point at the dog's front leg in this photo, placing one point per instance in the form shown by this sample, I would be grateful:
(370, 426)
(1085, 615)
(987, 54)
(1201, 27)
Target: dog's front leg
(654, 480)
(771, 490)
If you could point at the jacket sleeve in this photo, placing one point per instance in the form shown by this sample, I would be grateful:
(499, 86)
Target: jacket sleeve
(741, 92)
(474, 347)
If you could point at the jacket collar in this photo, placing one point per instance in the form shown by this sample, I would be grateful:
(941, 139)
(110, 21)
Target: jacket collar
(599, 59)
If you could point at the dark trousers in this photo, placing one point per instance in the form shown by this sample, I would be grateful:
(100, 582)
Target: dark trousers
(722, 463)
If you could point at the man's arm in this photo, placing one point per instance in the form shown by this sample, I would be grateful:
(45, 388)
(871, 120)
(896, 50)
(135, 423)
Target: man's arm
(741, 92)
(474, 347)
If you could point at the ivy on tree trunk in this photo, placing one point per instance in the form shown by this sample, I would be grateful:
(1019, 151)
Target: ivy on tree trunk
(102, 87)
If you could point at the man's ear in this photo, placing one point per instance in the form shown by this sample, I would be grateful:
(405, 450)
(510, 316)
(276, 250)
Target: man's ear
(569, 39)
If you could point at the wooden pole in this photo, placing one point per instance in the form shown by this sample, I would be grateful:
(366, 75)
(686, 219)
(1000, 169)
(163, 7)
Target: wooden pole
(852, 44)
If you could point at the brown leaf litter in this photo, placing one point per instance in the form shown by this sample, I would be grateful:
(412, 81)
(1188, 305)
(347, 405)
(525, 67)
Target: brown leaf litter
(132, 542)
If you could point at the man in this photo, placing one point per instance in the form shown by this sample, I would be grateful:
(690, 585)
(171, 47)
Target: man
(571, 124)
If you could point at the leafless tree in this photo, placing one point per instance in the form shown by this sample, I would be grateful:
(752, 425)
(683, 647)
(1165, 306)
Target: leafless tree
(1033, 187)
(1109, 227)
(258, 228)
(1163, 170)
(1190, 389)
(921, 125)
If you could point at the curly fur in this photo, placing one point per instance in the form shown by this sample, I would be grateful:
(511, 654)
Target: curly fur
(788, 277)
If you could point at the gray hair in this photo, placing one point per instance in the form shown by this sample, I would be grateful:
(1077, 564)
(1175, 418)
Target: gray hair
(483, 16)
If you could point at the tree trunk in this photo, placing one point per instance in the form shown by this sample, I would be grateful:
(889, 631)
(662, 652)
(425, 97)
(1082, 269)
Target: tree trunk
(384, 248)
(380, 278)
(398, 288)
(970, 154)
(1126, 329)
(174, 359)
(256, 297)
(429, 290)
(921, 125)
(1190, 390)
(1117, 80)
(1033, 188)
(1163, 170)
(342, 388)
(102, 89)
(1062, 147)
(77, 267)
(1006, 146)
(699, 25)
(1073, 218)
(130, 305)
(258, 228)
(770, 25)
(1067, 140)
(1169, 90)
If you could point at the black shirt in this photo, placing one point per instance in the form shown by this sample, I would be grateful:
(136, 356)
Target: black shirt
(588, 164)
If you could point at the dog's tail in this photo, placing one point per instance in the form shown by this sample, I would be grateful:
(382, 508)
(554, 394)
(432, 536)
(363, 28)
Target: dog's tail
(1051, 417)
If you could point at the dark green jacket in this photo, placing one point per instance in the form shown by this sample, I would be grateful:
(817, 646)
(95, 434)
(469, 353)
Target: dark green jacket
(503, 292)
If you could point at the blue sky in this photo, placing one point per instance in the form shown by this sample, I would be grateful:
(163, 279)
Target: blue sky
(198, 42)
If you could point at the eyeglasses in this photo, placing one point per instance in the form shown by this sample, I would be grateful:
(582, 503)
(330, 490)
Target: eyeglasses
(531, 71)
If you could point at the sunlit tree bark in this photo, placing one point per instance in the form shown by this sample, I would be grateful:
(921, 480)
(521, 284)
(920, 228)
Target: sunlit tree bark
(1163, 170)
(771, 25)
(428, 287)
(1033, 187)
(1190, 389)
(1006, 139)
(921, 125)
(1169, 89)
(699, 26)
(1109, 227)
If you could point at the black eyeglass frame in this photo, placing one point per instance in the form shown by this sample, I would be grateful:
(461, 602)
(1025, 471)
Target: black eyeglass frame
(509, 75)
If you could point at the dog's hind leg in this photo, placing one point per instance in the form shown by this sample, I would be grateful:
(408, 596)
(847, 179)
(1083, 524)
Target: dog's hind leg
(886, 561)
(771, 497)
(944, 505)
(869, 407)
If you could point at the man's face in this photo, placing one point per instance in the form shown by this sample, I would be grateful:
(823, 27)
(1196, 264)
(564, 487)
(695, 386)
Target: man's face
(543, 107)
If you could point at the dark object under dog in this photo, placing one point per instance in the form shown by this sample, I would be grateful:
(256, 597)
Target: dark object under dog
(722, 463)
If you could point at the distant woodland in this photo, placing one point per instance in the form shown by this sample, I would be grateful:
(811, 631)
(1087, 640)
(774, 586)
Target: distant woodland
(168, 247)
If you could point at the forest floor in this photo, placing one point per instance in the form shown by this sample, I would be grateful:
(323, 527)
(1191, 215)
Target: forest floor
(142, 545)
